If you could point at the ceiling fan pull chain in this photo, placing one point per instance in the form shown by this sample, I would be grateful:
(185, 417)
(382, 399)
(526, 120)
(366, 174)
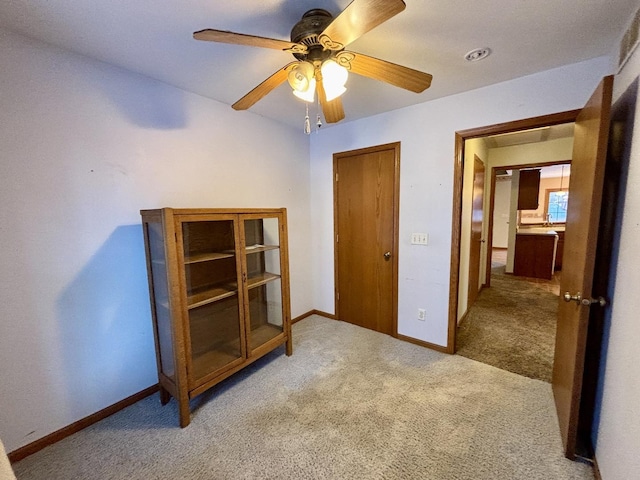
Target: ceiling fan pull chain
(318, 119)
(307, 123)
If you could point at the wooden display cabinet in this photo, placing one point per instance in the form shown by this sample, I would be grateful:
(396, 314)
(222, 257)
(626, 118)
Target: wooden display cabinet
(219, 289)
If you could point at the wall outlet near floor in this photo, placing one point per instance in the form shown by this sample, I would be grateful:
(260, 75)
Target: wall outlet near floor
(422, 314)
(419, 238)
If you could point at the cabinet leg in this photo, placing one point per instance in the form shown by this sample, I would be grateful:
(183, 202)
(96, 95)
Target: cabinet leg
(185, 416)
(289, 347)
(184, 412)
(164, 396)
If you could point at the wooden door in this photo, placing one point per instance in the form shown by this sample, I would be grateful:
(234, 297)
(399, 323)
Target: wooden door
(583, 216)
(476, 231)
(366, 224)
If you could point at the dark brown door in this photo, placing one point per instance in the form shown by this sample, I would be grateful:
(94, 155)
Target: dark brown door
(476, 231)
(583, 216)
(366, 212)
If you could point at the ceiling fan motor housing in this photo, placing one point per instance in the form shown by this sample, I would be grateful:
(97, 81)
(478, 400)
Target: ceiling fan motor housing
(306, 31)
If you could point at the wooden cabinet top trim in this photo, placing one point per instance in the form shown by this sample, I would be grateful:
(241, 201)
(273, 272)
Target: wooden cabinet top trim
(214, 211)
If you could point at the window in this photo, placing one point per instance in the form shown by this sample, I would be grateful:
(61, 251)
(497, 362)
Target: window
(556, 205)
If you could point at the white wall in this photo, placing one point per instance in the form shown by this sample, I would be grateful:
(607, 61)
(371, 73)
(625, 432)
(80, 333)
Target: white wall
(557, 150)
(474, 147)
(618, 438)
(513, 221)
(501, 211)
(426, 133)
(84, 146)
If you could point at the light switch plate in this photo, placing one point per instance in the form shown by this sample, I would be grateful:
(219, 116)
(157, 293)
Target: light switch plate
(419, 239)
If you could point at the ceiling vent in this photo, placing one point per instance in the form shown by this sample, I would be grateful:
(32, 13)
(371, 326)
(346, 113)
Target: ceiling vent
(629, 40)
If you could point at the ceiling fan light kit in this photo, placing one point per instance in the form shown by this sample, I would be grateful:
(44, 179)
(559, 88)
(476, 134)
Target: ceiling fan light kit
(318, 43)
(302, 79)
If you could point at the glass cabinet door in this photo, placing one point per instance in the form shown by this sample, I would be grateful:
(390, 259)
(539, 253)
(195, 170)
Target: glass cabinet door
(264, 285)
(162, 313)
(211, 279)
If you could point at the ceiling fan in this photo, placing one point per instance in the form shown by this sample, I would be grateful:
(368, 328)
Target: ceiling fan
(318, 43)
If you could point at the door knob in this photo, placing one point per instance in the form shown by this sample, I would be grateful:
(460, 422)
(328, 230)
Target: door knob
(583, 301)
(387, 256)
(572, 298)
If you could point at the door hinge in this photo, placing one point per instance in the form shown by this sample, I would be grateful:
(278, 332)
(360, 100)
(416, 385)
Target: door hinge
(336, 177)
(336, 238)
(337, 295)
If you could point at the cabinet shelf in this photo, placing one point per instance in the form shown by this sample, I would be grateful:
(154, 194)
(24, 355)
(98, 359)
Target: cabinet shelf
(207, 257)
(260, 248)
(261, 279)
(264, 333)
(211, 294)
(207, 362)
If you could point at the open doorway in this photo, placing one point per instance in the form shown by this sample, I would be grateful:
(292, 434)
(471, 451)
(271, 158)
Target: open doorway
(512, 325)
(585, 240)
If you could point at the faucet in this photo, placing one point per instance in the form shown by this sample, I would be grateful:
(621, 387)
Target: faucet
(548, 222)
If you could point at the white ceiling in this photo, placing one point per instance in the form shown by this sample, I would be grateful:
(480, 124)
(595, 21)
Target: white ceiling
(533, 135)
(551, 171)
(554, 171)
(154, 38)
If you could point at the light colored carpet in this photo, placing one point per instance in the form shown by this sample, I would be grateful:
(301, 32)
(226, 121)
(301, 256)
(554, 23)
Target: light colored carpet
(349, 404)
(512, 326)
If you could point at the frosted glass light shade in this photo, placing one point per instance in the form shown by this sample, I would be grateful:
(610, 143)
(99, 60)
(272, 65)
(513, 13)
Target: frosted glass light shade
(331, 93)
(333, 79)
(300, 76)
(309, 94)
(302, 80)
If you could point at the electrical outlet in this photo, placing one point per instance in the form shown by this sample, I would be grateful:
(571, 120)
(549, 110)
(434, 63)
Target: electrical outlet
(422, 314)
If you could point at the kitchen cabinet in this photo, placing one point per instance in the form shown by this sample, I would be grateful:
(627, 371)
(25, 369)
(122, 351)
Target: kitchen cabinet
(534, 254)
(529, 189)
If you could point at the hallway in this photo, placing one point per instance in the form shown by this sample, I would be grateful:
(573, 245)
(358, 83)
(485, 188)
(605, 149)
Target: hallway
(512, 324)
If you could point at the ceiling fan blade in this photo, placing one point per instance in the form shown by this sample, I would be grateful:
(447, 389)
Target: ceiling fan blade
(333, 111)
(264, 88)
(358, 18)
(249, 40)
(403, 77)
